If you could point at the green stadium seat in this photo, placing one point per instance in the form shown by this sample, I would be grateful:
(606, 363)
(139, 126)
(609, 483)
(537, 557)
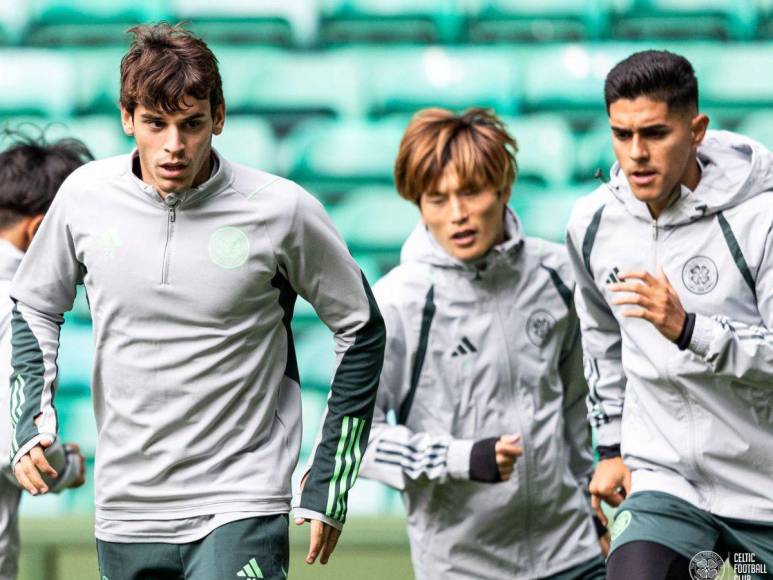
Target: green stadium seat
(547, 20)
(289, 84)
(341, 155)
(403, 80)
(99, 79)
(248, 140)
(76, 358)
(390, 21)
(594, 150)
(545, 212)
(316, 357)
(546, 149)
(759, 126)
(76, 419)
(275, 22)
(739, 78)
(765, 17)
(684, 19)
(375, 220)
(101, 133)
(88, 22)
(570, 78)
(13, 21)
(36, 82)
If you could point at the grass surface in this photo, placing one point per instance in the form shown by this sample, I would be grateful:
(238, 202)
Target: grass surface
(372, 548)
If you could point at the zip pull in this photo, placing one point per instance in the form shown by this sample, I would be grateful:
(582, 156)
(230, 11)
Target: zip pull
(655, 230)
(171, 202)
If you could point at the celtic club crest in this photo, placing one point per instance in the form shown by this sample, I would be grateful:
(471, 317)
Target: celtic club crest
(229, 247)
(539, 327)
(700, 275)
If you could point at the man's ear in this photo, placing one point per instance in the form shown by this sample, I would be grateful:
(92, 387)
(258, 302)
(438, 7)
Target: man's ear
(127, 121)
(219, 120)
(698, 127)
(29, 227)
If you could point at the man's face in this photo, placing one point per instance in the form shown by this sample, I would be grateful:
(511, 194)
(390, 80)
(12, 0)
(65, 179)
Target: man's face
(174, 148)
(466, 224)
(655, 147)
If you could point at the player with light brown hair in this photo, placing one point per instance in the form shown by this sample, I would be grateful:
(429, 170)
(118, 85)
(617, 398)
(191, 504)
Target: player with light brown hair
(480, 418)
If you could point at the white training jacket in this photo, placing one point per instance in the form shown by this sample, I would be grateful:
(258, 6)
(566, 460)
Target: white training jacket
(698, 423)
(476, 351)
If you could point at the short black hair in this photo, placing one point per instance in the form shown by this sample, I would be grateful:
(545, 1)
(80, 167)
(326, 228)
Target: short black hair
(658, 74)
(31, 171)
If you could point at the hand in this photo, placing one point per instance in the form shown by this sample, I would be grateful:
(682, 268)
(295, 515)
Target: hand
(74, 449)
(322, 540)
(29, 468)
(506, 453)
(658, 300)
(323, 537)
(611, 482)
(605, 542)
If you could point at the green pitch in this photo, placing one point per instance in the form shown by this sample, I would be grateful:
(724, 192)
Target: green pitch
(373, 548)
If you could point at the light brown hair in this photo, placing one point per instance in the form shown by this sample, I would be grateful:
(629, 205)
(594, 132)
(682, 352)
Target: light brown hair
(475, 142)
(164, 65)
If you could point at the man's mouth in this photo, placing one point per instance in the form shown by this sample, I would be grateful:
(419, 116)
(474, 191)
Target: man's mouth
(173, 169)
(464, 238)
(643, 176)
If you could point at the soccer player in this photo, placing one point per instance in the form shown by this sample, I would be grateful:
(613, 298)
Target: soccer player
(483, 371)
(674, 265)
(192, 265)
(31, 171)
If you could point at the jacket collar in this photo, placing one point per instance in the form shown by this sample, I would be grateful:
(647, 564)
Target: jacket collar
(218, 180)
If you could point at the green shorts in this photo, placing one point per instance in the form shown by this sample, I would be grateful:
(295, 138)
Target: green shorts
(250, 548)
(662, 518)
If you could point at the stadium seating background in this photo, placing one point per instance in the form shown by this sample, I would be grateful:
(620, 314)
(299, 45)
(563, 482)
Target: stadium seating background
(321, 90)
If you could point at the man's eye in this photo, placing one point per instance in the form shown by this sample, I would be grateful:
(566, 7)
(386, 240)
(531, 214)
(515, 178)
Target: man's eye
(621, 136)
(194, 124)
(156, 124)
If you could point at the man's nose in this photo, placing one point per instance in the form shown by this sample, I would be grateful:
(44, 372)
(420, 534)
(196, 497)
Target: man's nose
(638, 149)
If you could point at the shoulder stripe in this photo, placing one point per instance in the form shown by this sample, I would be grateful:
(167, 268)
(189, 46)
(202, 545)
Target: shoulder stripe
(735, 250)
(590, 238)
(428, 313)
(563, 289)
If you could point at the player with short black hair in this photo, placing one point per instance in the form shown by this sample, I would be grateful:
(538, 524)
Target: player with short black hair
(31, 171)
(674, 265)
(192, 266)
(490, 444)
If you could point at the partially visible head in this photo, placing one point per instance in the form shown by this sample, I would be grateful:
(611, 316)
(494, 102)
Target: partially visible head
(171, 103)
(459, 170)
(652, 103)
(31, 172)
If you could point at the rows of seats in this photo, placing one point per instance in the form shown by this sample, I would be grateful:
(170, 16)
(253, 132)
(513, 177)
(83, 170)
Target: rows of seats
(332, 158)
(305, 23)
(375, 82)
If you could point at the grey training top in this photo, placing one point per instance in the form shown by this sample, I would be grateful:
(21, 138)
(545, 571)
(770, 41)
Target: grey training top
(195, 380)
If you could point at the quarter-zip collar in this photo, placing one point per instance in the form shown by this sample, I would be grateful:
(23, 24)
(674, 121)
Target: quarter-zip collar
(218, 180)
(421, 246)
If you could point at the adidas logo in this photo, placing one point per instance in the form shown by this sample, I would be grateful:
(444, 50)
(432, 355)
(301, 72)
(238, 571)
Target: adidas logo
(612, 278)
(464, 347)
(250, 570)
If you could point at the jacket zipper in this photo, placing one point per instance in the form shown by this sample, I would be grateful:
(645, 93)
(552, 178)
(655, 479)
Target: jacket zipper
(171, 202)
(525, 444)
